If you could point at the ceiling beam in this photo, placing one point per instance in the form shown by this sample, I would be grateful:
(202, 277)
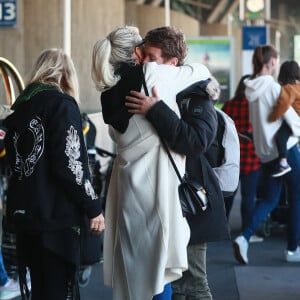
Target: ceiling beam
(196, 3)
(233, 6)
(216, 12)
(155, 2)
(291, 23)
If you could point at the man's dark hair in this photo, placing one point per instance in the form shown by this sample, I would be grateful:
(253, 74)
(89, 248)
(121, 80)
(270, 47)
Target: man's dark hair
(170, 40)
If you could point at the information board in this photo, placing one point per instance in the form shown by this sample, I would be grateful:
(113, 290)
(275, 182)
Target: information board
(8, 13)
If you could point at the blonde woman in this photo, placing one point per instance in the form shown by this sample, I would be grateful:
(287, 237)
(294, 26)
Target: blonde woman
(146, 234)
(50, 190)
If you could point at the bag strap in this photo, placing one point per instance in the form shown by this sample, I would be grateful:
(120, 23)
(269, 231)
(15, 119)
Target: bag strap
(162, 140)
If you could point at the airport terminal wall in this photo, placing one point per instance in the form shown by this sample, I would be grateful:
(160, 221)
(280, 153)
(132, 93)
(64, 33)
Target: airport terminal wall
(40, 25)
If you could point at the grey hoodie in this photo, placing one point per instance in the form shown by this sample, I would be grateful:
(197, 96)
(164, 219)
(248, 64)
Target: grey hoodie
(262, 93)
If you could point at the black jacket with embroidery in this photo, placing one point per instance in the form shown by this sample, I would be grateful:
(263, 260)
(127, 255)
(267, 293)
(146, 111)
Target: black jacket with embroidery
(192, 135)
(50, 185)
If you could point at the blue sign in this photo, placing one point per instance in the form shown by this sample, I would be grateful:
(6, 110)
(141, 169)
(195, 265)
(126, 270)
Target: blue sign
(8, 13)
(254, 36)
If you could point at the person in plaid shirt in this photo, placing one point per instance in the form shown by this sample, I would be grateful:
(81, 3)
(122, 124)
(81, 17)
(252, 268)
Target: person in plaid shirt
(237, 109)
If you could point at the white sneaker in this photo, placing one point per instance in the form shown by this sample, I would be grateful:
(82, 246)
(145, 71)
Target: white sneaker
(255, 239)
(292, 256)
(240, 247)
(10, 290)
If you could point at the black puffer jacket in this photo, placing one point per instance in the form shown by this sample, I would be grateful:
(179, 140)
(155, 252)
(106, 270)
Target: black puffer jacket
(192, 136)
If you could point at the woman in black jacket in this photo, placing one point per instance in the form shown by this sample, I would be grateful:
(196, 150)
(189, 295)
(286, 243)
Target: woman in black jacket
(50, 191)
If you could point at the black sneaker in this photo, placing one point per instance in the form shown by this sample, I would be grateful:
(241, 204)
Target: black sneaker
(281, 170)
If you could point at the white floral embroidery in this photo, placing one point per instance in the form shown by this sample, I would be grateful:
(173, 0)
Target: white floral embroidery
(26, 164)
(89, 189)
(73, 152)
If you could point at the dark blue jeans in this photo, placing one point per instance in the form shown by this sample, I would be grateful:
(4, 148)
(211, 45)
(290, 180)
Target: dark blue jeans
(272, 189)
(249, 185)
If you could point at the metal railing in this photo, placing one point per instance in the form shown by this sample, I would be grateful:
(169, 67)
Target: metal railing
(12, 80)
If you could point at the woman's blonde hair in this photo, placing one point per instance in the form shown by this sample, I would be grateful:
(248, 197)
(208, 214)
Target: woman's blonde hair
(110, 52)
(55, 67)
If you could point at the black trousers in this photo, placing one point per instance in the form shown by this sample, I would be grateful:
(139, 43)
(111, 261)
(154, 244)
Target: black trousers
(52, 277)
(281, 139)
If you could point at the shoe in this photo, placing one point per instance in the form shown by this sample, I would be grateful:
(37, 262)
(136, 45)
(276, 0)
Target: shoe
(10, 290)
(240, 247)
(255, 239)
(282, 170)
(292, 256)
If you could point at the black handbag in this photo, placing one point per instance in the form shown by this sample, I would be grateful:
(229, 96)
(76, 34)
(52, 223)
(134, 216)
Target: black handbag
(192, 195)
(193, 199)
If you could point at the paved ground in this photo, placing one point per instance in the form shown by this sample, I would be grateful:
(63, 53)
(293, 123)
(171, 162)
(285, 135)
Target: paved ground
(266, 277)
(227, 278)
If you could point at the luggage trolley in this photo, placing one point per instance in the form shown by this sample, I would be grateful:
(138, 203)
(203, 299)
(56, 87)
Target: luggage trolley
(12, 86)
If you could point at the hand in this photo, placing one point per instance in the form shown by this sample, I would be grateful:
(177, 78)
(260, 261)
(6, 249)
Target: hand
(97, 224)
(213, 89)
(2, 134)
(139, 103)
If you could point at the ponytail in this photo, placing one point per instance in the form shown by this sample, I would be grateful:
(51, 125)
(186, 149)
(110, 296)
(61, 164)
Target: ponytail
(261, 56)
(103, 73)
(110, 53)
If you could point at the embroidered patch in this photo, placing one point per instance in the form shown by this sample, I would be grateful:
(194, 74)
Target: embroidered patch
(73, 153)
(89, 189)
(26, 164)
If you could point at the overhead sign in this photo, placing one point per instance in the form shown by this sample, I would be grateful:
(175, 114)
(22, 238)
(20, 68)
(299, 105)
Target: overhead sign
(255, 9)
(254, 36)
(8, 13)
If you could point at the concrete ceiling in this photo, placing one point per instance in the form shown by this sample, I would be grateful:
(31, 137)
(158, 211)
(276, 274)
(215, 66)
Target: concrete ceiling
(207, 11)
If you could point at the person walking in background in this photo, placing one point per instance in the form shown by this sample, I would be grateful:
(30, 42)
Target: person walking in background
(262, 92)
(289, 78)
(192, 136)
(9, 287)
(148, 190)
(49, 192)
(237, 108)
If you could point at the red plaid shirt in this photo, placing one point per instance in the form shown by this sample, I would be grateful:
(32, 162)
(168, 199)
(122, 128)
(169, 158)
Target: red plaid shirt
(238, 110)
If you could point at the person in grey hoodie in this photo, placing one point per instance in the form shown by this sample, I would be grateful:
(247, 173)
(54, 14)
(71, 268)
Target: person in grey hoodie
(262, 92)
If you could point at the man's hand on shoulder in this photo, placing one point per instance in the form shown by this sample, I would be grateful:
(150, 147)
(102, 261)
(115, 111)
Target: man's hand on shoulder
(213, 89)
(139, 103)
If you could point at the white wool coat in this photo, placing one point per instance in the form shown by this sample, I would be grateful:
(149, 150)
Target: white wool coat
(146, 235)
